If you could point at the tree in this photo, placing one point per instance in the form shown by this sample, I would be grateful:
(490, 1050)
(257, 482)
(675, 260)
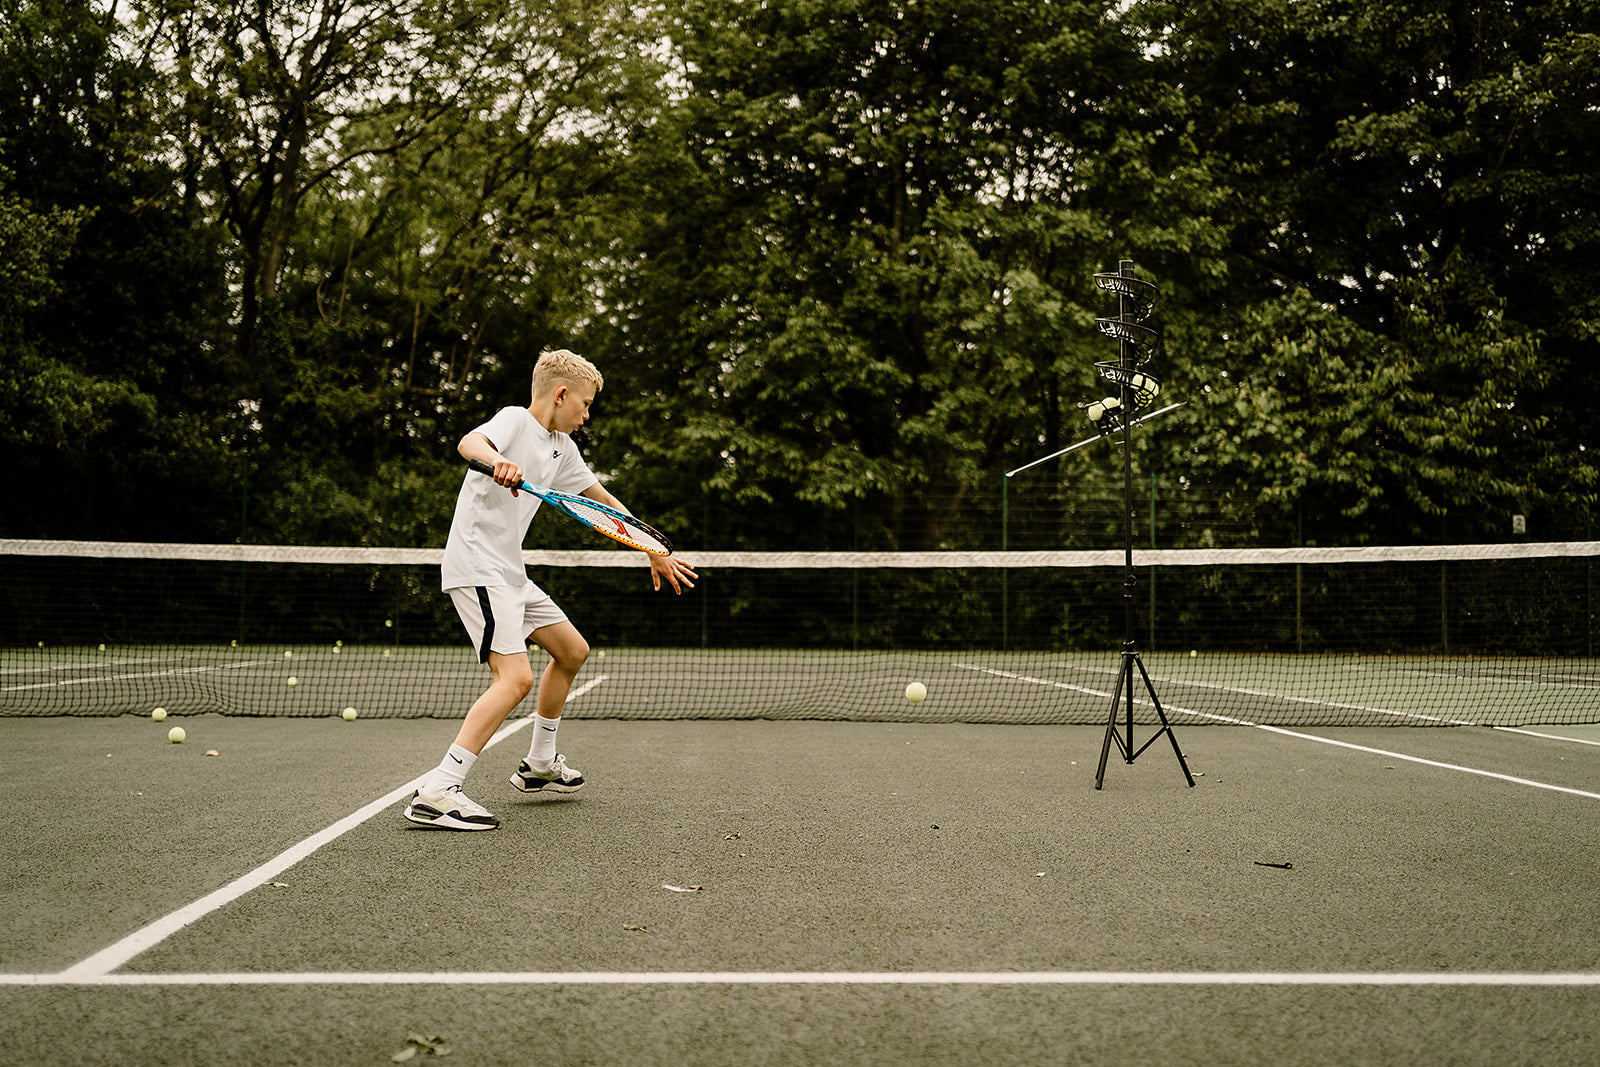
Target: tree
(112, 294)
(1410, 185)
(413, 190)
(864, 278)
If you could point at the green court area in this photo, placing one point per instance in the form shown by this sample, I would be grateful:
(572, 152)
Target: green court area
(750, 891)
(964, 684)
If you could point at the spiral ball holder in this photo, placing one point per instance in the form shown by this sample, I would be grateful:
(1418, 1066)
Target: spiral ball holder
(1136, 390)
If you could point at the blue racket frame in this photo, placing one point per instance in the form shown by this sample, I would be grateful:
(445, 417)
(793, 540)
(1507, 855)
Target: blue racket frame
(610, 522)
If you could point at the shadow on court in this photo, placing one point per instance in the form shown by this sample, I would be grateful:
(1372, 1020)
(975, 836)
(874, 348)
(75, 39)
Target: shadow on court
(731, 854)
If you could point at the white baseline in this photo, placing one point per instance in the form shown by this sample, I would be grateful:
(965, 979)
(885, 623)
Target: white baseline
(1579, 979)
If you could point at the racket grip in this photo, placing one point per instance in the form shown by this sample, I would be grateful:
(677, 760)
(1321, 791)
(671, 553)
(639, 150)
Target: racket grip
(480, 466)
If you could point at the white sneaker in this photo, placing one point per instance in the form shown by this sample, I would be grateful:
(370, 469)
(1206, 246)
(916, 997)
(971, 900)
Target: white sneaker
(558, 779)
(449, 809)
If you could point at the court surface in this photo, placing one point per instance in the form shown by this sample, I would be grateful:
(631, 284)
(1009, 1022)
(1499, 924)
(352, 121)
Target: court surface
(737, 892)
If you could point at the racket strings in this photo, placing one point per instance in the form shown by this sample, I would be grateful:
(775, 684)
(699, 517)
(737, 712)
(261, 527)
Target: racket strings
(623, 528)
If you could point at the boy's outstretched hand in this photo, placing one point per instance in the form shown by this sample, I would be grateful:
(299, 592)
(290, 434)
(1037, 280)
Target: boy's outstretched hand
(677, 572)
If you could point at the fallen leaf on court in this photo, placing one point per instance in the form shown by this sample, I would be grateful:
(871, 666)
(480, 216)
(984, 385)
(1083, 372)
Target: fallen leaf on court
(635, 928)
(433, 1045)
(1279, 866)
(731, 837)
(212, 752)
(681, 888)
(279, 885)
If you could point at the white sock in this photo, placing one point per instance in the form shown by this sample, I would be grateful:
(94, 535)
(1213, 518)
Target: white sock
(452, 770)
(542, 752)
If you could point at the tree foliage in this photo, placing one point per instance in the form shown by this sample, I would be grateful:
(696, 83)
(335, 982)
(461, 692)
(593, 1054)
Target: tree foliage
(1407, 187)
(111, 293)
(864, 275)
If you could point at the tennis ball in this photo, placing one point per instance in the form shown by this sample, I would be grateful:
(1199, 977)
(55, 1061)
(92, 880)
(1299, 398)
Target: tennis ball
(292, 682)
(1096, 412)
(288, 653)
(349, 714)
(916, 692)
(176, 735)
(1193, 653)
(159, 715)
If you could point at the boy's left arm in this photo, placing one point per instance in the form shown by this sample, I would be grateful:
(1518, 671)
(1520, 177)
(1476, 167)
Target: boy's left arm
(678, 573)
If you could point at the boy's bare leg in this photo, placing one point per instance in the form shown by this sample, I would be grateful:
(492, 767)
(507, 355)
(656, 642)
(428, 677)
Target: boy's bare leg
(568, 651)
(513, 681)
(544, 769)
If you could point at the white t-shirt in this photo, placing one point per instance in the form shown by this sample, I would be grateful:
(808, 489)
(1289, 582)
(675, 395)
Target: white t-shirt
(486, 534)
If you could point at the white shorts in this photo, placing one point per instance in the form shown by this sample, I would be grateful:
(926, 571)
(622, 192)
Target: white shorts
(500, 618)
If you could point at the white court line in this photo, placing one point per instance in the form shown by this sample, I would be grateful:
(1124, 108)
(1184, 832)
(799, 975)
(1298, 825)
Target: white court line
(1514, 780)
(61, 683)
(1489, 675)
(83, 666)
(1345, 707)
(1285, 697)
(452, 979)
(108, 959)
(1536, 733)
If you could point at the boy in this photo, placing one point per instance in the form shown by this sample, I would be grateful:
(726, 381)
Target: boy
(500, 608)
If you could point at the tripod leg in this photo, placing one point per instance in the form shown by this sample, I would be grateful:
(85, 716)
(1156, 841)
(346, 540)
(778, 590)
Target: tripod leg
(1166, 727)
(1123, 677)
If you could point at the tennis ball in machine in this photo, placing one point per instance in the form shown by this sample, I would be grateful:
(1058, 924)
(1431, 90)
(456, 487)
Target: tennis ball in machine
(348, 714)
(176, 735)
(159, 715)
(916, 692)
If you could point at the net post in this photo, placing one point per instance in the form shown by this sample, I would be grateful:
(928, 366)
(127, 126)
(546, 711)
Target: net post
(1005, 572)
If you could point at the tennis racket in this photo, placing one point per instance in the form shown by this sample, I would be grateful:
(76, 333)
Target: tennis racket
(617, 525)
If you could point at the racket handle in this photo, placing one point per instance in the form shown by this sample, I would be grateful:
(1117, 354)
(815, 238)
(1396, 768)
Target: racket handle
(483, 468)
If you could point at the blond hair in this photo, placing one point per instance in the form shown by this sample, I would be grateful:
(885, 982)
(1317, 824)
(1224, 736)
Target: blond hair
(561, 367)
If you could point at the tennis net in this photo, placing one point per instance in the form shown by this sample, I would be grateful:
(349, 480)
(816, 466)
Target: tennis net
(1487, 634)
